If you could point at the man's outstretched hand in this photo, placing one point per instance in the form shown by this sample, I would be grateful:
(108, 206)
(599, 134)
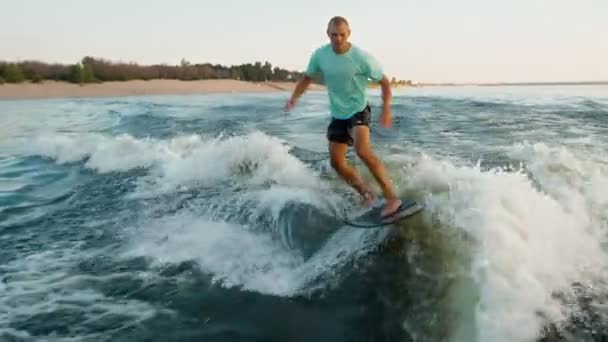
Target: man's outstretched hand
(289, 105)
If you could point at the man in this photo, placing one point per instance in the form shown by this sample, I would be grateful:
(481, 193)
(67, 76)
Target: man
(346, 70)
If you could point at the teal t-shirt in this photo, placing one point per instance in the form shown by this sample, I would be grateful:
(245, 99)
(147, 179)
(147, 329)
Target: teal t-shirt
(346, 77)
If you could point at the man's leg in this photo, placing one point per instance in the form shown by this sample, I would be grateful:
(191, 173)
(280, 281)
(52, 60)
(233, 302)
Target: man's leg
(337, 152)
(363, 149)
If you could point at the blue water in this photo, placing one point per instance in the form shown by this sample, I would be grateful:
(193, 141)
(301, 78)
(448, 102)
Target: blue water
(218, 218)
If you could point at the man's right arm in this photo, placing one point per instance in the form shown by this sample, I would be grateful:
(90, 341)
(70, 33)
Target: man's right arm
(304, 82)
(299, 90)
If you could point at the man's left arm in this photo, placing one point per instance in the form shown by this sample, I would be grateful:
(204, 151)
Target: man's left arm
(375, 72)
(386, 116)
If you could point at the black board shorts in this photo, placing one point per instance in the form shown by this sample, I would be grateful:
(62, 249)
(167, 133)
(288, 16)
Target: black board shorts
(340, 130)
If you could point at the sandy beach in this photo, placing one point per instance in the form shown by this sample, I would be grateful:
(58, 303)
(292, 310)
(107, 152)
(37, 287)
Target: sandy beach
(53, 89)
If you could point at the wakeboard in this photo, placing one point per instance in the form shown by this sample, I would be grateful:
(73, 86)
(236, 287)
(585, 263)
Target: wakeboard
(371, 218)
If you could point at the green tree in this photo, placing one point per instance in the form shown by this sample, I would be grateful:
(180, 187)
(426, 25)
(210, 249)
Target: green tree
(75, 73)
(236, 73)
(13, 74)
(88, 60)
(266, 72)
(247, 71)
(86, 73)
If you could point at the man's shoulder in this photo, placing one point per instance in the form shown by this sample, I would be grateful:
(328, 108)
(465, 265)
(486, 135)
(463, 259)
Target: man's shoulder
(360, 52)
(322, 49)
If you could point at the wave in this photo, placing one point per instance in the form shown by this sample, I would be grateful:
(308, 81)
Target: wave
(531, 231)
(181, 160)
(535, 234)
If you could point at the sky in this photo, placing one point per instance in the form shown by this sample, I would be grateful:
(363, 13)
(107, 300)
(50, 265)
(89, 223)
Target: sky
(420, 40)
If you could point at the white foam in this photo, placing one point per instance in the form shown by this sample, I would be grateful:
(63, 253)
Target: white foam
(276, 197)
(255, 158)
(576, 178)
(232, 254)
(253, 259)
(529, 245)
(103, 153)
(260, 157)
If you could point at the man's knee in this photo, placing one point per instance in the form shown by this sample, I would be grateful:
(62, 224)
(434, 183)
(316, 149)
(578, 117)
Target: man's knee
(364, 152)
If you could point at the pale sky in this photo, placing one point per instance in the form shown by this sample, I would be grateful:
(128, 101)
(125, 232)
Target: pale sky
(421, 40)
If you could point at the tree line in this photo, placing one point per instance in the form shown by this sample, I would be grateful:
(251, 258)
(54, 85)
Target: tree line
(91, 70)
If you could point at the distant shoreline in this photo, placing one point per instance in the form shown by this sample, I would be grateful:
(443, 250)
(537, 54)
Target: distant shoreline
(59, 89)
(514, 84)
(544, 83)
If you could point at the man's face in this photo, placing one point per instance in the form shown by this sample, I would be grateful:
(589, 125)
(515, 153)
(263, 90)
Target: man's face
(338, 34)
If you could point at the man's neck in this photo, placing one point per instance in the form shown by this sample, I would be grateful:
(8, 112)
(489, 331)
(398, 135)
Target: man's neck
(349, 45)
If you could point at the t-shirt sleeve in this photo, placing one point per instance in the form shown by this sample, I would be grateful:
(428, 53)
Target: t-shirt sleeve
(313, 64)
(372, 67)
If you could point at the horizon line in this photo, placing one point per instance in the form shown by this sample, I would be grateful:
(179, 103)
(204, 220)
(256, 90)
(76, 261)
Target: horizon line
(587, 82)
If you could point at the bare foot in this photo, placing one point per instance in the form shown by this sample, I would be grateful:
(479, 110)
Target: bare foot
(390, 208)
